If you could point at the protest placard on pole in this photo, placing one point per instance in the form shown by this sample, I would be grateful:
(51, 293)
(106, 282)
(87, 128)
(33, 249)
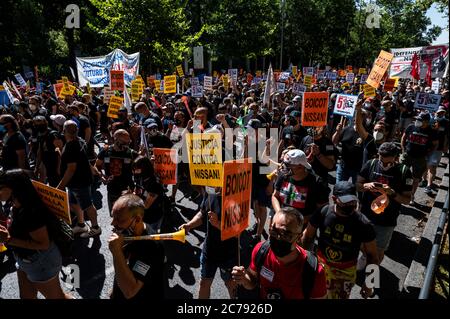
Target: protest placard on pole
(389, 84)
(170, 84)
(330, 75)
(195, 81)
(107, 93)
(298, 88)
(233, 75)
(281, 87)
(56, 200)
(134, 90)
(207, 83)
(20, 79)
(294, 70)
(307, 80)
(198, 58)
(226, 82)
(379, 68)
(197, 91)
(314, 108)
(362, 71)
(180, 70)
(8, 91)
(115, 103)
(236, 198)
(308, 70)
(364, 78)
(435, 86)
(116, 79)
(166, 165)
(350, 77)
(158, 85)
(345, 105)
(427, 101)
(369, 91)
(205, 158)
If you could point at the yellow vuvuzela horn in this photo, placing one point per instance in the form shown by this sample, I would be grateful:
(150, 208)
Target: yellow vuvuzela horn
(179, 235)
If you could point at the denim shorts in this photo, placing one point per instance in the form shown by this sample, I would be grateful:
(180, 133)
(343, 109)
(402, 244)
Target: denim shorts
(434, 158)
(81, 196)
(41, 266)
(209, 268)
(383, 236)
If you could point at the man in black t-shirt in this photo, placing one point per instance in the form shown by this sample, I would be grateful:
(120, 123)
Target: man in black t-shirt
(77, 176)
(155, 138)
(342, 231)
(384, 176)
(84, 127)
(14, 151)
(418, 142)
(293, 132)
(116, 161)
(138, 265)
(215, 252)
(297, 187)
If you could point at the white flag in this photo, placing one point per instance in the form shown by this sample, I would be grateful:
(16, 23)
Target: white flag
(270, 86)
(127, 101)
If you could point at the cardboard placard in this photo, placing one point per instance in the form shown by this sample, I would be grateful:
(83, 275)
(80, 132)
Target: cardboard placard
(314, 109)
(56, 200)
(115, 103)
(379, 68)
(165, 165)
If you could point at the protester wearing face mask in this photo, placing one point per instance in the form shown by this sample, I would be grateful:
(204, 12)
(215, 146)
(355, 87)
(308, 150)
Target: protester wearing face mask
(280, 267)
(343, 229)
(155, 139)
(14, 153)
(144, 114)
(138, 265)
(441, 125)
(384, 175)
(35, 107)
(293, 128)
(298, 188)
(114, 163)
(418, 142)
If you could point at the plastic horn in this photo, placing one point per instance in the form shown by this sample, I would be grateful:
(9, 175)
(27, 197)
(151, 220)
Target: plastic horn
(179, 235)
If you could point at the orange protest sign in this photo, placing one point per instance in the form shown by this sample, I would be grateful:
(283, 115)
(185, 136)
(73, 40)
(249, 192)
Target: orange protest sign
(56, 200)
(249, 78)
(236, 195)
(389, 84)
(166, 165)
(315, 109)
(342, 73)
(379, 68)
(116, 80)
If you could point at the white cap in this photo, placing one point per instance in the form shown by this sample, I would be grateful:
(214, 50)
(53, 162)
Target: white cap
(296, 157)
(58, 119)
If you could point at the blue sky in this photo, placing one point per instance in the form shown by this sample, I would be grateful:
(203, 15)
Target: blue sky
(437, 19)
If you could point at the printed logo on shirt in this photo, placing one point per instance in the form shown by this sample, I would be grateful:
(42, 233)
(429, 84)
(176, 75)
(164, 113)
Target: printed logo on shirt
(333, 255)
(418, 138)
(293, 195)
(266, 273)
(141, 268)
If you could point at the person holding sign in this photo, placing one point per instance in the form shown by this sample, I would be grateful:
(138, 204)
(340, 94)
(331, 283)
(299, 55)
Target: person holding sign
(38, 257)
(280, 267)
(215, 252)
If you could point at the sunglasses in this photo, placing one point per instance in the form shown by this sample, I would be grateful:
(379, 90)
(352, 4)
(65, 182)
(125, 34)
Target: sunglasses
(282, 234)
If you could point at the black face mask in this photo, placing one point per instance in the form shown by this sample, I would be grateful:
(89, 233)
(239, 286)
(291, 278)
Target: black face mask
(280, 247)
(347, 210)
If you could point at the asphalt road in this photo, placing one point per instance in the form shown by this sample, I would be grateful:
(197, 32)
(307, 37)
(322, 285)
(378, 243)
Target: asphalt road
(183, 260)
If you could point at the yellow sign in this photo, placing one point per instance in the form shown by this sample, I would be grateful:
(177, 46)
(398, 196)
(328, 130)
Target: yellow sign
(307, 80)
(226, 82)
(205, 158)
(396, 78)
(65, 80)
(180, 70)
(157, 85)
(66, 90)
(369, 91)
(170, 84)
(2, 88)
(215, 74)
(56, 200)
(140, 80)
(135, 90)
(379, 68)
(115, 103)
(294, 70)
(362, 71)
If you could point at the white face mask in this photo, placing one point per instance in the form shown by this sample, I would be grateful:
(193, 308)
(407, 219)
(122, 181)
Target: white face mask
(378, 135)
(33, 107)
(418, 123)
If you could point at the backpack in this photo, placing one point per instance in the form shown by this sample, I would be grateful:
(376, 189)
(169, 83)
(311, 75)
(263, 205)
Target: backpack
(404, 168)
(61, 233)
(309, 268)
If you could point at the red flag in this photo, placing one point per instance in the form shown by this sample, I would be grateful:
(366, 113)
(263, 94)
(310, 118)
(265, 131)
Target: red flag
(415, 71)
(428, 77)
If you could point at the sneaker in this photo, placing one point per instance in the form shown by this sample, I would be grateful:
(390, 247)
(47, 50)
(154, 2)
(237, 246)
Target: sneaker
(91, 233)
(77, 229)
(428, 190)
(412, 202)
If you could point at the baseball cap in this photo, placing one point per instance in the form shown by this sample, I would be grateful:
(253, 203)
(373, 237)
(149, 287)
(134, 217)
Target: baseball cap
(441, 109)
(58, 119)
(296, 157)
(424, 116)
(150, 123)
(297, 98)
(345, 191)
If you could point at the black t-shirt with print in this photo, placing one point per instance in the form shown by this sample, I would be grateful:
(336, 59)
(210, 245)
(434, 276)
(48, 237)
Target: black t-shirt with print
(419, 141)
(326, 148)
(12, 144)
(25, 221)
(341, 237)
(398, 177)
(214, 249)
(145, 258)
(352, 149)
(442, 131)
(75, 152)
(145, 186)
(303, 195)
(118, 167)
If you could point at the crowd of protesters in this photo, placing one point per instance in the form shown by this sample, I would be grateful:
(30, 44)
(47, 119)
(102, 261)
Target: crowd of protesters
(381, 156)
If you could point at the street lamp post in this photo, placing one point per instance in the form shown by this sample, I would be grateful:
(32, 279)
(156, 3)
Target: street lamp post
(282, 33)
